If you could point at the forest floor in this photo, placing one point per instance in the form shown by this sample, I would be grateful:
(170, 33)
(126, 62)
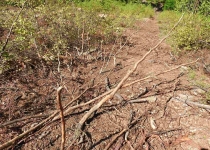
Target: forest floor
(153, 113)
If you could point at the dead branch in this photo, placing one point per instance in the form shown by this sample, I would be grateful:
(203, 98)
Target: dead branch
(193, 103)
(166, 71)
(22, 119)
(81, 105)
(94, 108)
(28, 132)
(60, 108)
(115, 138)
(130, 125)
(125, 85)
(41, 124)
(108, 92)
(117, 95)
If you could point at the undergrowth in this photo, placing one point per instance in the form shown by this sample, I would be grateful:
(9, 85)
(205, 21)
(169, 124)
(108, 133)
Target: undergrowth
(200, 81)
(192, 33)
(44, 31)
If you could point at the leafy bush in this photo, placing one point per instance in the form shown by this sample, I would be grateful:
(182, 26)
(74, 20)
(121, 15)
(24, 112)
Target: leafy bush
(169, 5)
(192, 33)
(198, 6)
(31, 3)
(205, 8)
(185, 5)
(67, 28)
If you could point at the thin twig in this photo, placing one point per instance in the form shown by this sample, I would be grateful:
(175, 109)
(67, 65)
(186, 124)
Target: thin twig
(52, 117)
(12, 141)
(22, 119)
(130, 125)
(162, 72)
(115, 138)
(60, 108)
(67, 110)
(193, 103)
(117, 95)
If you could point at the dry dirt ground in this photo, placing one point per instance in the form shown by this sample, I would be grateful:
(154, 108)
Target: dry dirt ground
(150, 114)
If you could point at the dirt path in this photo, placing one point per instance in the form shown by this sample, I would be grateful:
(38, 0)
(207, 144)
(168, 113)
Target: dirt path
(179, 126)
(162, 121)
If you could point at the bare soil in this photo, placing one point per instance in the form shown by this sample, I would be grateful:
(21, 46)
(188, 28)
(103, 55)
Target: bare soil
(151, 112)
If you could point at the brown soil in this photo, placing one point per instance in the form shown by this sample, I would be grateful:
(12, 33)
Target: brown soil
(159, 121)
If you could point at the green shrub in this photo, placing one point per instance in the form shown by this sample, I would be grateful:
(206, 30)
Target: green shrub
(205, 8)
(192, 33)
(63, 29)
(169, 5)
(198, 6)
(185, 5)
(46, 30)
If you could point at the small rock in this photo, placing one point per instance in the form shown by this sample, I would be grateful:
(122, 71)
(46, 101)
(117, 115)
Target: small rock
(185, 97)
(182, 96)
(45, 133)
(151, 99)
(153, 124)
(102, 15)
(198, 91)
(184, 68)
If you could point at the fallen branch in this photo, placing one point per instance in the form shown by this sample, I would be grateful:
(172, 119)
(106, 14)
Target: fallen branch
(130, 125)
(124, 86)
(60, 108)
(193, 103)
(115, 138)
(117, 95)
(94, 108)
(166, 71)
(52, 117)
(12, 141)
(81, 105)
(22, 119)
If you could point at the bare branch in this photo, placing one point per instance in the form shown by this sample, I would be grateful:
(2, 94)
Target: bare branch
(12, 141)
(115, 138)
(60, 108)
(22, 119)
(193, 103)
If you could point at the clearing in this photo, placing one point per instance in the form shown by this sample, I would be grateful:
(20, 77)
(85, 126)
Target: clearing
(155, 113)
